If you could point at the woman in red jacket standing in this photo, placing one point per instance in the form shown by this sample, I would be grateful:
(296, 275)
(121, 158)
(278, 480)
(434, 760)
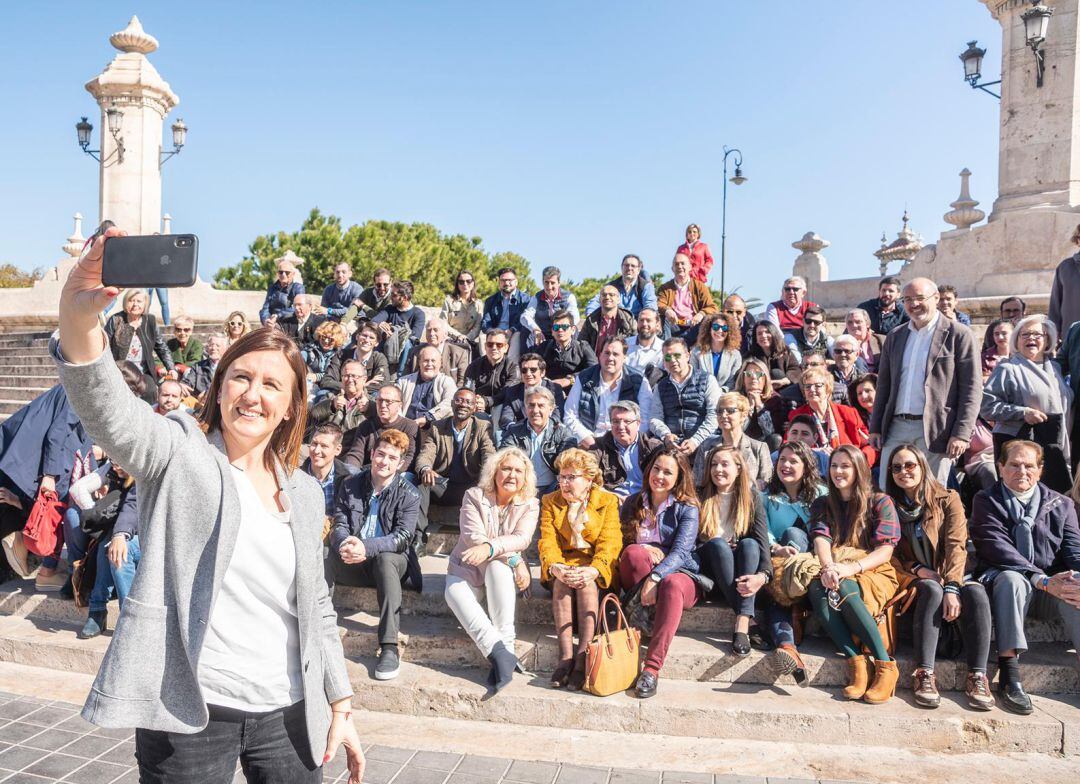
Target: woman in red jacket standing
(701, 259)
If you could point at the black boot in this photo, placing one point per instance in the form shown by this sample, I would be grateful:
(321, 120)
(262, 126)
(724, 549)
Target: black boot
(503, 662)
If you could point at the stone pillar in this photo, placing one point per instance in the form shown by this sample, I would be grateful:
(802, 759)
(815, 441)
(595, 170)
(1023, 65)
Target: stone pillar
(130, 189)
(1039, 154)
(810, 264)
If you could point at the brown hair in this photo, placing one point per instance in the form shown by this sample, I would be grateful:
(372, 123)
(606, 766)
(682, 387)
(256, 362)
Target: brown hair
(633, 510)
(851, 529)
(927, 494)
(286, 441)
(1076, 235)
(732, 338)
(708, 493)
(811, 480)
(1019, 443)
(579, 460)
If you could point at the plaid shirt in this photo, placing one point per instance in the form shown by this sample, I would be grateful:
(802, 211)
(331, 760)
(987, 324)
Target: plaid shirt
(884, 525)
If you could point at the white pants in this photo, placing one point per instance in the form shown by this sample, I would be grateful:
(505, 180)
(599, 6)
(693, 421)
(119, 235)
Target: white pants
(910, 431)
(501, 593)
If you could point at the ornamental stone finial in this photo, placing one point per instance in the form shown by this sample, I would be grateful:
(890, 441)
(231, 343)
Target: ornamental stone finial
(810, 264)
(134, 39)
(74, 245)
(963, 213)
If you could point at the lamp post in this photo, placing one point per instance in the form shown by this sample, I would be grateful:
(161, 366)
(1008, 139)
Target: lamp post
(738, 179)
(1036, 21)
(115, 121)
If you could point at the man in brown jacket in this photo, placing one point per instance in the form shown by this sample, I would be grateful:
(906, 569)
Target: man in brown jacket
(451, 454)
(929, 384)
(683, 301)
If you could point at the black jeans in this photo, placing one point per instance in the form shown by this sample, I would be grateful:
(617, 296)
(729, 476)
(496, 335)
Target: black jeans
(384, 572)
(974, 623)
(725, 565)
(272, 749)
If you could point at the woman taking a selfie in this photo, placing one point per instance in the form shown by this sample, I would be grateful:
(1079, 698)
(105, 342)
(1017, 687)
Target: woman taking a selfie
(227, 647)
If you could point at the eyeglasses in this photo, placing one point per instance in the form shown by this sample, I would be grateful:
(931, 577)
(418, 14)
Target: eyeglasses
(916, 300)
(718, 327)
(465, 280)
(354, 376)
(530, 369)
(842, 351)
(792, 289)
(812, 322)
(181, 330)
(624, 422)
(567, 478)
(561, 327)
(753, 374)
(907, 465)
(728, 410)
(385, 401)
(816, 386)
(493, 344)
(1033, 335)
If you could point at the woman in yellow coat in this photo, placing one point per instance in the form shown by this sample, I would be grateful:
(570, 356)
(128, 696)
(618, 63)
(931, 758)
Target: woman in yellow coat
(580, 542)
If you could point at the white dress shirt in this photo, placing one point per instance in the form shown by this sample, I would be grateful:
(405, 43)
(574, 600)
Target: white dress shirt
(911, 393)
(641, 357)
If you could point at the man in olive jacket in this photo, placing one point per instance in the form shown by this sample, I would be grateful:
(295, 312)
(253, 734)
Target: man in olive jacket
(452, 452)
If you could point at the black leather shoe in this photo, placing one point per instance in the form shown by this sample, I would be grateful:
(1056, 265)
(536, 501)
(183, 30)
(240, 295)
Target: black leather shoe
(646, 686)
(741, 644)
(1014, 699)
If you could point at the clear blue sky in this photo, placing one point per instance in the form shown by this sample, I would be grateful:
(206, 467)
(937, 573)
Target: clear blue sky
(569, 132)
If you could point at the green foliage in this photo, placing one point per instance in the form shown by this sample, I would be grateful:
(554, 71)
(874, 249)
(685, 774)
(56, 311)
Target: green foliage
(11, 277)
(417, 252)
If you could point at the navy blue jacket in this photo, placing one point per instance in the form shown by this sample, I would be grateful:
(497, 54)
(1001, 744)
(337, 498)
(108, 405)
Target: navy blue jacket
(39, 439)
(493, 308)
(1056, 535)
(279, 301)
(678, 540)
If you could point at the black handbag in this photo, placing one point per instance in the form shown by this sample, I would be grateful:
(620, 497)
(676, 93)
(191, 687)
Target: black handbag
(950, 642)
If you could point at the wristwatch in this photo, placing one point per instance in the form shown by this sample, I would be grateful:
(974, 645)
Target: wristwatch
(654, 577)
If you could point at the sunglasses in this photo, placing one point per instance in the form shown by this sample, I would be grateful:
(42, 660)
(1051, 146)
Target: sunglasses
(181, 330)
(530, 370)
(899, 468)
(673, 357)
(842, 351)
(465, 280)
(729, 411)
(496, 345)
(561, 327)
(813, 322)
(753, 374)
(718, 327)
(236, 323)
(284, 272)
(792, 289)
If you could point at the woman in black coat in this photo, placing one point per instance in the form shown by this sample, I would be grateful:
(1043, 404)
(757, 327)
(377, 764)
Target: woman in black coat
(134, 337)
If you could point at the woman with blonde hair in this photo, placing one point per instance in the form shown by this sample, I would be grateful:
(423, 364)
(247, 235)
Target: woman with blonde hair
(853, 530)
(580, 543)
(732, 410)
(498, 519)
(235, 326)
(765, 415)
(734, 536)
(330, 336)
(717, 349)
(134, 336)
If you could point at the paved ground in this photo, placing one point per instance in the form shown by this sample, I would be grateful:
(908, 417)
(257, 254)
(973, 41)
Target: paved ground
(44, 741)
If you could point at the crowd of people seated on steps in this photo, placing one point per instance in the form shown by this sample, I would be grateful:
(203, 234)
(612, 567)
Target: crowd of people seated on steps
(656, 444)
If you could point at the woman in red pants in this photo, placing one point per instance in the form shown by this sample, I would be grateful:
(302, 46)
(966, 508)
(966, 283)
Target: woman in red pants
(660, 525)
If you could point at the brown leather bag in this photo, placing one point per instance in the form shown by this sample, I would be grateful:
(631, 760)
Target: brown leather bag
(613, 658)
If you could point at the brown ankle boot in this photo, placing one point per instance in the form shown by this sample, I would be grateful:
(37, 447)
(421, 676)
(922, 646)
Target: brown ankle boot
(886, 674)
(858, 677)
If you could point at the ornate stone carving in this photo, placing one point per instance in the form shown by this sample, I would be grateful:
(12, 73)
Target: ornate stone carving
(810, 264)
(963, 213)
(134, 39)
(74, 245)
(903, 248)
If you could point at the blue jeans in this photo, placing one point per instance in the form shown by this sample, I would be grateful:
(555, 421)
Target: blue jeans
(163, 298)
(777, 617)
(272, 749)
(111, 577)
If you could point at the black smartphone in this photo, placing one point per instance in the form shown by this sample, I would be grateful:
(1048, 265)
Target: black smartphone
(158, 261)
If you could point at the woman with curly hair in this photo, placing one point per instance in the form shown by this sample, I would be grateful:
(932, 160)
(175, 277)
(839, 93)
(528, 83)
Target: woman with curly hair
(717, 349)
(235, 326)
(660, 530)
(854, 530)
(579, 547)
(734, 538)
(330, 336)
(498, 519)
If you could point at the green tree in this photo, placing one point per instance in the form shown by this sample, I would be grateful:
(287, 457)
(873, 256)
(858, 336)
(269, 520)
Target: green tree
(417, 252)
(11, 277)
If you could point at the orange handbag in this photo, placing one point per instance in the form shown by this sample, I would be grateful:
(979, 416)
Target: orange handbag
(613, 658)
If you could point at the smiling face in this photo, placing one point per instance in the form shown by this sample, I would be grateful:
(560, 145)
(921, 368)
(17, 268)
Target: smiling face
(947, 303)
(388, 405)
(693, 234)
(905, 469)
(612, 358)
(215, 347)
(793, 294)
(624, 426)
(816, 391)
(538, 411)
(1033, 342)
(353, 376)
(857, 326)
(723, 470)
(842, 471)
(302, 307)
(677, 361)
(763, 337)
(920, 301)
(790, 467)
(531, 374)
(563, 332)
(366, 338)
(551, 286)
(436, 332)
(234, 326)
(463, 405)
(609, 299)
(381, 284)
(664, 474)
(322, 449)
(386, 460)
(843, 356)
(730, 418)
(648, 324)
(255, 396)
(631, 268)
(680, 268)
(866, 393)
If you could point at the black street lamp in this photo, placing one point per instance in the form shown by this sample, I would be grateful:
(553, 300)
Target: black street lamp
(1036, 20)
(972, 58)
(737, 179)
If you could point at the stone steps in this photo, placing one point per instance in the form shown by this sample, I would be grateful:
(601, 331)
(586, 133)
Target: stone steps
(22, 392)
(24, 351)
(727, 711)
(38, 384)
(8, 371)
(9, 407)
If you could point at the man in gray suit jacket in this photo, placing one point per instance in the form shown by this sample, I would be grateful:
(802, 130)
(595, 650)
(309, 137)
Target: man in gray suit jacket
(929, 384)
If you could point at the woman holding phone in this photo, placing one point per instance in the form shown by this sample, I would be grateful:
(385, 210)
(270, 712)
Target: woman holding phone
(227, 647)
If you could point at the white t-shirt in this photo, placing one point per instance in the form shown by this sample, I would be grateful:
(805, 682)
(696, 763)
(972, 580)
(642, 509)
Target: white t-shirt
(251, 656)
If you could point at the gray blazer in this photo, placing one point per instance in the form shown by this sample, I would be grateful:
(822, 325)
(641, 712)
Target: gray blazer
(189, 513)
(953, 384)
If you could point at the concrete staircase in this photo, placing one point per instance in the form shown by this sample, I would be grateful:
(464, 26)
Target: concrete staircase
(705, 691)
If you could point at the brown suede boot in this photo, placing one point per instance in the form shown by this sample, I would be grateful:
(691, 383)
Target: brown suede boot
(858, 677)
(886, 674)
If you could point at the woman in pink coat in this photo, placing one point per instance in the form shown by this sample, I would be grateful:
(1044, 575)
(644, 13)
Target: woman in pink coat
(498, 519)
(701, 260)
